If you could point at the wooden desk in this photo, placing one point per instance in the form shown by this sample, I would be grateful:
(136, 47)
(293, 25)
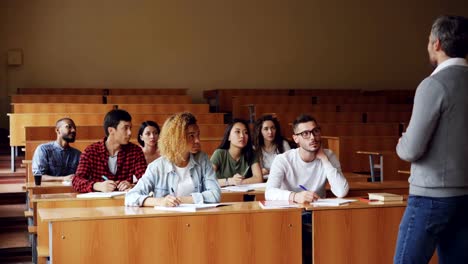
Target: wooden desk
(356, 233)
(361, 188)
(46, 188)
(62, 200)
(256, 195)
(238, 233)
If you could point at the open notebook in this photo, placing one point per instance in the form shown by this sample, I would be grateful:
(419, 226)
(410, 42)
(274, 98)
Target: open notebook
(188, 207)
(332, 202)
(99, 194)
(276, 204)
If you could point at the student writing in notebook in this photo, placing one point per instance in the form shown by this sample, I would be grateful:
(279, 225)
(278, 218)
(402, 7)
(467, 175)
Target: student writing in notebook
(235, 161)
(183, 173)
(300, 174)
(114, 157)
(57, 160)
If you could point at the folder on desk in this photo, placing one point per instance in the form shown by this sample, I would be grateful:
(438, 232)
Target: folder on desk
(188, 207)
(100, 194)
(331, 202)
(237, 188)
(277, 204)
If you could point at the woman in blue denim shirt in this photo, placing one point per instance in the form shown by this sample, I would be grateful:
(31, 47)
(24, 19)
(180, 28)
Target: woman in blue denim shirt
(183, 174)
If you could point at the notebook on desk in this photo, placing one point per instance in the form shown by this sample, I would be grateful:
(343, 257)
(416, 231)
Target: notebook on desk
(385, 197)
(100, 194)
(188, 207)
(277, 204)
(332, 202)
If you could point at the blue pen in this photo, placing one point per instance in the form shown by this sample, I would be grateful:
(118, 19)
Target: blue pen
(172, 191)
(105, 178)
(302, 187)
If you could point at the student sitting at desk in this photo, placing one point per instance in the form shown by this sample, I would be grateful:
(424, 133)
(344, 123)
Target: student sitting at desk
(183, 173)
(110, 164)
(148, 135)
(57, 160)
(235, 161)
(268, 142)
(300, 174)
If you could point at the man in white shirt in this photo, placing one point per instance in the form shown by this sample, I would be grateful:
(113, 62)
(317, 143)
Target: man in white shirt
(300, 174)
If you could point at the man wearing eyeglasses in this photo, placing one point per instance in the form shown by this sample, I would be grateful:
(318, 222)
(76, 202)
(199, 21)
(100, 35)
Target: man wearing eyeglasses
(300, 174)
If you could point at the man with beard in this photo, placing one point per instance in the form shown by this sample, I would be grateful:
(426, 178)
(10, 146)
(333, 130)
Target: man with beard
(435, 143)
(300, 174)
(110, 164)
(57, 160)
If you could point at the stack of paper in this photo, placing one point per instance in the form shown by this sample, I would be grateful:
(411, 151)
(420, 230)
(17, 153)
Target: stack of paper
(99, 194)
(245, 187)
(276, 204)
(187, 207)
(332, 202)
(239, 188)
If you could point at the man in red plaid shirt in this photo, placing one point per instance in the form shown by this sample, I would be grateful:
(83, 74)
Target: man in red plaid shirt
(110, 164)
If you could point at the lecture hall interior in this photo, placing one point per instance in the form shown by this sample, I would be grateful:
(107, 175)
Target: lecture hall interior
(354, 65)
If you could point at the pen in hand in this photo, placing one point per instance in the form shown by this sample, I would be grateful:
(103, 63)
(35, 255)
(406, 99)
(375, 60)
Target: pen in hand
(105, 178)
(245, 172)
(314, 195)
(175, 201)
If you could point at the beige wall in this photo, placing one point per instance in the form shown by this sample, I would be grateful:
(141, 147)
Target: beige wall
(209, 44)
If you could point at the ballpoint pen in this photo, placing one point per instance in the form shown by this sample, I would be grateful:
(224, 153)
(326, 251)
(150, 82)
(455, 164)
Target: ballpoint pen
(172, 192)
(105, 178)
(302, 187)
(245, 172)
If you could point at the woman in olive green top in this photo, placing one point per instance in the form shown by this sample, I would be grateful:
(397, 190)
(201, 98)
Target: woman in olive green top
(235, 161)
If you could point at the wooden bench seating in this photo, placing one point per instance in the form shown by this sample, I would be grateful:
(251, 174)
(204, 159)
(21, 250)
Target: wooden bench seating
(165, 108)
(286, 119)
(222, 98)
(361, 129)
(61, 108)
(346, 148)
(254, 110)
(208, 145)
(104, 108)
(387, 117)
(375, 108)
(19, 121)
(61, 91)
(143, 99)
(95, 133)
(71, 99)
(147, 91)
(104, 91)
(239, 102)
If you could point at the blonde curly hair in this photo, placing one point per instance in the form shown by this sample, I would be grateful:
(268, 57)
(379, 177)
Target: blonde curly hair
(173, 137)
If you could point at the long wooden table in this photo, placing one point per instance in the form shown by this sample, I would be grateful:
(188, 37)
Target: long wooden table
(237, 233)
(358, 232)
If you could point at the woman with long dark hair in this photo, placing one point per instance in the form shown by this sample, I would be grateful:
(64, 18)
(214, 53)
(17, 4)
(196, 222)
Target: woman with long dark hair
(235, 161)
(268, 142)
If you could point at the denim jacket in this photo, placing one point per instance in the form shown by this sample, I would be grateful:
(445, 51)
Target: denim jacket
(160, 177)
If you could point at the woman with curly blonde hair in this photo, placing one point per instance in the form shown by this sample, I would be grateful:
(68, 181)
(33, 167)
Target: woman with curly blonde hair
(183, 173)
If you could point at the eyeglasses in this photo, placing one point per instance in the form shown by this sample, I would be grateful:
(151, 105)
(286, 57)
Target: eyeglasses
(306, 134)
